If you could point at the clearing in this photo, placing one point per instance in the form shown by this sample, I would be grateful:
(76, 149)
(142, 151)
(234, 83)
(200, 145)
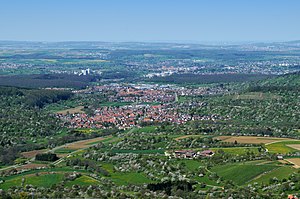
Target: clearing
(77, 109)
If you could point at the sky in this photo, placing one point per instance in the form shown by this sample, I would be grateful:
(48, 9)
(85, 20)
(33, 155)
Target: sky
(150, 20)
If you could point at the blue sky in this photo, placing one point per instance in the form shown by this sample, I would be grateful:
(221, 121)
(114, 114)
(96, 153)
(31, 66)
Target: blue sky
(150, 20)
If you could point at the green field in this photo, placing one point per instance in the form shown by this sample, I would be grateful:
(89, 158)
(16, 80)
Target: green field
(241, 173)
(64, 150)
(44, 180)
(237, 150)
(280, 147)
(191, 165)
(83, 181)
(129, 178)
(280, 173)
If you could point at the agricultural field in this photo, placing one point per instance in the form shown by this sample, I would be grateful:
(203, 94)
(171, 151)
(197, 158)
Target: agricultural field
(295, 161)
(279, 173)
(40, 180)
(187, 136)
(242, 173)
(237, 150)
(253, 139)
(283, 147)
(82, 144)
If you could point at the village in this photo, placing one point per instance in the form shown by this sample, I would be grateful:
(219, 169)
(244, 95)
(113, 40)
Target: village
(125, 117)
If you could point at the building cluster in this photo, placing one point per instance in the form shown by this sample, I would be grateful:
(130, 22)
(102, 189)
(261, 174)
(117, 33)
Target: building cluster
(154, 92)
(138, 95)
(128, 116)
(189, 154)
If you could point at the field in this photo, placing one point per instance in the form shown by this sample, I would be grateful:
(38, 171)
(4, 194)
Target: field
(237, 150)
(294, 146)
(187, 136)
(295, 161)
(82, 144)
(32, 154)
(83, 181)
(129, 178)
(31, 166)
(77, 109)
(252, 139)
(41, 180)
(191, 165)
(242, 173)
(279, 173)
(282, 147)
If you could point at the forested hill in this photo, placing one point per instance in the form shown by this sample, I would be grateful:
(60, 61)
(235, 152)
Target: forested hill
(34, 97)
(283, 82)
(23, 123)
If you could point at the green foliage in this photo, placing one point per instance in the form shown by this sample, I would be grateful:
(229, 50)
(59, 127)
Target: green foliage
(46, 157)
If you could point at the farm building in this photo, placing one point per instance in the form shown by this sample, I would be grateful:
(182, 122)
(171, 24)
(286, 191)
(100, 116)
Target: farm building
(190, 154)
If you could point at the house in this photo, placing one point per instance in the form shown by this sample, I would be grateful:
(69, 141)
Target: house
(189, 154)
(279, 157)
(206, 153)
(292, 197)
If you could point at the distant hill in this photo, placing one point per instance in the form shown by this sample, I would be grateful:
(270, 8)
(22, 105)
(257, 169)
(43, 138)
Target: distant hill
(46, 80)
(289, 81)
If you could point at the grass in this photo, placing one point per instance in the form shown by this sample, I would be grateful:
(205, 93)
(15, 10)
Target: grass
(77, 109)
(281, 147)
(191, 165)
(241, 174)
(206, 180)
(45, 180)
(187, 136)
(237, 150)
(129, 178)
(64, 150)
(280, 173)
(147, 129)
(83, 181)
(108, 167)
(58, 169)
(106, 140)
